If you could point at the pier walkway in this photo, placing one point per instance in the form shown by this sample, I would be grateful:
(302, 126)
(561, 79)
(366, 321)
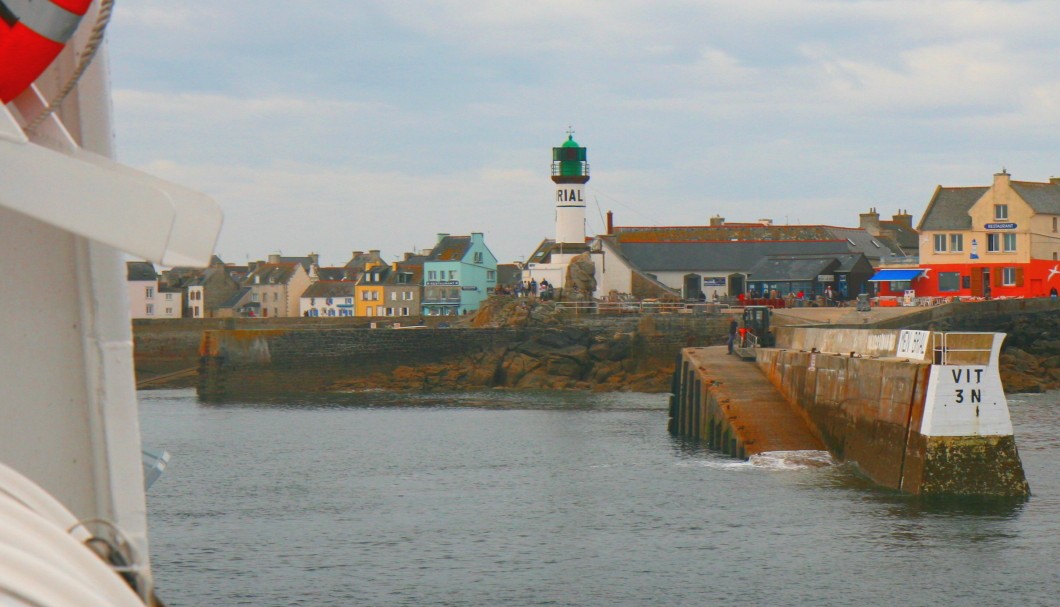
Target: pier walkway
(732, 405)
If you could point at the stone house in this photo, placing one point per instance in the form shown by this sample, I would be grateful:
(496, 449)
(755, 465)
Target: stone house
(275, 289)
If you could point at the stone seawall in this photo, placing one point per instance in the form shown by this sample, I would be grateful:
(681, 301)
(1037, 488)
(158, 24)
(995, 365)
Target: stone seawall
(240, 364)
(871, 411)
(164, 346)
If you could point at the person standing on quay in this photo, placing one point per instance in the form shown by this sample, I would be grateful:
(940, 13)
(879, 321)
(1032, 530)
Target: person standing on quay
(733, 327)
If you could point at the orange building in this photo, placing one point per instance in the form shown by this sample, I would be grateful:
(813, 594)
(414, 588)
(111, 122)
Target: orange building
(996, 241)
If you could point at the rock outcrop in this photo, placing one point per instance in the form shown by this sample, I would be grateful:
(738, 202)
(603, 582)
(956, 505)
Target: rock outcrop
(569, 358)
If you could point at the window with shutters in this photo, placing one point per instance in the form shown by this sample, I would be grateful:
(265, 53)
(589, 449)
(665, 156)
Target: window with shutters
(1008, 277)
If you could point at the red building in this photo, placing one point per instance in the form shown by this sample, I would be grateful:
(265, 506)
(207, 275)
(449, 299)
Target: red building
(996, 241)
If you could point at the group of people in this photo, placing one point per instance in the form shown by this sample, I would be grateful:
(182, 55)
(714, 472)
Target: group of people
(529, 288)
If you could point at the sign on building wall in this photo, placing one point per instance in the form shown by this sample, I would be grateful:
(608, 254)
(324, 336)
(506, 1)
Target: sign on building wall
(826, 278)
(714, 281)
(443, 283)
(1000, 226)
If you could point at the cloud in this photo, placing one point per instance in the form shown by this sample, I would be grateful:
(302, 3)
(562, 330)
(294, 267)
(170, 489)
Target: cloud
(355, 124)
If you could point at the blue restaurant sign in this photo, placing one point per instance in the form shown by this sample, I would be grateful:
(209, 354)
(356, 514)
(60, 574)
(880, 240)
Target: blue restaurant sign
(1000, 226)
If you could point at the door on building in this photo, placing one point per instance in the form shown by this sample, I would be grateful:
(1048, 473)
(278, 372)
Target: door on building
(736, 285)
(1037, 288)
(980, 281)
(693, 287)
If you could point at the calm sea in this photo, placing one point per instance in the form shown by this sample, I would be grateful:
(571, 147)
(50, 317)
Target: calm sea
(561, 499)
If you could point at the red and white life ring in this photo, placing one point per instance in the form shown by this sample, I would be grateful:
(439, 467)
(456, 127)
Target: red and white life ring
(32, 33)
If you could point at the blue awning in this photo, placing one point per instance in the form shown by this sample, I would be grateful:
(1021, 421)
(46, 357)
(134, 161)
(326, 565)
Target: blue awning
(896, 275)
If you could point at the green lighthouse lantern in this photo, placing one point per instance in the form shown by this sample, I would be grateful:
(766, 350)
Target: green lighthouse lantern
(569, 162)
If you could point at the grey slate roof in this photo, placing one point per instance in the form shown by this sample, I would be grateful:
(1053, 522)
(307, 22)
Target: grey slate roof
(271, 274)
(140, 270)
(360, 259)
(333, 273)
(786, 268)
(1042, 197)
(948, 209)
(328, 288)
(450, 248)
(508, 274)
(719, 256)
(874, 247)
(233, 301)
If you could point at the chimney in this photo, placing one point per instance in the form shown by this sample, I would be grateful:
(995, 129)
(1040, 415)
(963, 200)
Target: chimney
(610, 222)
(274, 258)
(314, 259)
(870, 222)
(903, 218)
(442, 236)
(477, 237)
(766, 222)
(357, 254)
(252, 265)
(1002, 179)
(717, 221)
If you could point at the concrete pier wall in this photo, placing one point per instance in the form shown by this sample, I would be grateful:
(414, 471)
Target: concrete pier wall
(907, 424)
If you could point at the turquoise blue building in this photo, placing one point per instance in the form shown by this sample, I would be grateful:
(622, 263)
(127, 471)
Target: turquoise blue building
(458, 275)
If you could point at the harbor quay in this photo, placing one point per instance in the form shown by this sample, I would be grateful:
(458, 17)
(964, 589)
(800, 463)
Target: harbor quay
(921, 412)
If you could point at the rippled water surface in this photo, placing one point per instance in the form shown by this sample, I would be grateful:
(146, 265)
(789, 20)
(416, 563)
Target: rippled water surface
(562, 499)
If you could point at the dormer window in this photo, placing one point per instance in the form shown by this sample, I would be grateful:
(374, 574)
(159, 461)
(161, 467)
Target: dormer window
(1000, 211)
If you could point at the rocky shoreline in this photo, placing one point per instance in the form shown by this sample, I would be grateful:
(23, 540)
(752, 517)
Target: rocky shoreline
(568, 359)
(558, 350)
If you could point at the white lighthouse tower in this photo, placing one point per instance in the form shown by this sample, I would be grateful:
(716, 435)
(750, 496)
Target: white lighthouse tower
(570, 173)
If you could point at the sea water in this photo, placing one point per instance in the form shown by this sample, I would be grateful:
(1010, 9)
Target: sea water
(546, 498)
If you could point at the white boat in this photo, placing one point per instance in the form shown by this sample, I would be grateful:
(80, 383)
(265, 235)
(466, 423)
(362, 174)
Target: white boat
(73, 525)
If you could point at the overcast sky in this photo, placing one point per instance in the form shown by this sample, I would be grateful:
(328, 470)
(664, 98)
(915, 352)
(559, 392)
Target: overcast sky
(341, 125)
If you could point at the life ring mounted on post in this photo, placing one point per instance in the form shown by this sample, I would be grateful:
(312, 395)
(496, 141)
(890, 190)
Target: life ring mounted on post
(32, 34)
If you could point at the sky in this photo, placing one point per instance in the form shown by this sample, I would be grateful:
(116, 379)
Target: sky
(331, 126)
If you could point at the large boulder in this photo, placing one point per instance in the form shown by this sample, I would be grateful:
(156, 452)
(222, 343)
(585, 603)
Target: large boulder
(581, 278)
